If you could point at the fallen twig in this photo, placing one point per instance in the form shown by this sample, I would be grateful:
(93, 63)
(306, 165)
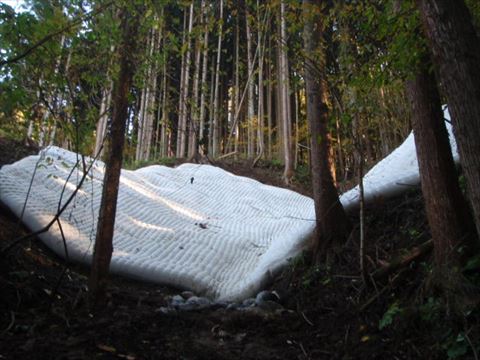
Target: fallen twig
(227, 155)
(373, 298)
(475, 354)
(10, 325)
(306, 319)
(401, 261)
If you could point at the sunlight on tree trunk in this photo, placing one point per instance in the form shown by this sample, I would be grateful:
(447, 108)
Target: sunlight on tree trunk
(114, 156)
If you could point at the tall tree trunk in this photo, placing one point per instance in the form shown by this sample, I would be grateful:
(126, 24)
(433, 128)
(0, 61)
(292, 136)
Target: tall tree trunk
(193, 134)
(164, 132)
(50, 99)
(341, 162)
(332, 223)
(149, 126)
(446, 209)
(456, 54)
(236, 98)
(261, 105)
(184, 89)
(216, 104)
(144, 99)
(145, 122)
(204, 84)
(102, 121)
(285, 97)
(211, 106)
(60, 95)
(251, 85)
(108, 206)
(269, 102)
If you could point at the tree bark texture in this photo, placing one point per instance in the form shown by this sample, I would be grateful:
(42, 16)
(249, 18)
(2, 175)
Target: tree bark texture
(216, 101)
(447, 211)
(285, 97)
(106, 221)
(333, 226)
(251, 90)
(260, 110)
(455, 48)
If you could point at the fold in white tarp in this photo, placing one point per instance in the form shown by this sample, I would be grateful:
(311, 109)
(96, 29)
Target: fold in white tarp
(195, 226)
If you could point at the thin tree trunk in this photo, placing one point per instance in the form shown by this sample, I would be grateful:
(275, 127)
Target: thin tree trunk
(250, 105)
(261, 106)
(285, 97)
(148, 100)
(195, 123)
(269, 102)
(384, 140)
(236, 109)
(204, 85)
(164, 145)
(359, 160)
(141, 118)
(104, 113)
(216, 105)
(211, 107)
(59, 100)
(296, 94)
(182, 89)
(44, 125)
(341, 161)
(106, 220)
(183, 113)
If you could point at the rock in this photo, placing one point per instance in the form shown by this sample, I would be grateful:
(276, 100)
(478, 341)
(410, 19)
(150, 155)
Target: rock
(187, 307)
(196, 303)
(187, 294)
(233, 306)
(177, 300)
(248, 302)
(267, 296)
(165, 310)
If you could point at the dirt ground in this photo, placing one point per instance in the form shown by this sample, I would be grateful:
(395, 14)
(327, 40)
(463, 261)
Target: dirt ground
(327, 312)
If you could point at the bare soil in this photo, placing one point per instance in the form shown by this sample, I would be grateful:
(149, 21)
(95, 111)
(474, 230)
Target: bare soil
(328, 312)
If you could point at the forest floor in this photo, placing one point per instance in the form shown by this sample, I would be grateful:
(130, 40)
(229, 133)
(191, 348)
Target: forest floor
(327, 312)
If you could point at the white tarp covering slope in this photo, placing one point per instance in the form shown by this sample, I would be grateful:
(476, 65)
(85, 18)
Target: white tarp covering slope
(218, 235)
(196, 226)
(393, 175)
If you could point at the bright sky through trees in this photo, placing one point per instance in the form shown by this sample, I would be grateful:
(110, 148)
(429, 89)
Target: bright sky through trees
(16, 4)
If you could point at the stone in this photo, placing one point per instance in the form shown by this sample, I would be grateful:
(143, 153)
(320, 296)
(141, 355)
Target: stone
(198, 302)
(233, 306)
(187, 294)
(165, 310)
(248, 302)
(177, 300)
(267, 295)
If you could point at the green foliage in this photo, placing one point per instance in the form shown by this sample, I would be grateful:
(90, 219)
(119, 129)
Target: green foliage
(276, 163)
(387, 319)
(431, 310)
(302, 174)
(473, 263)
(456, 345)
(313, 277)
(462, 182)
